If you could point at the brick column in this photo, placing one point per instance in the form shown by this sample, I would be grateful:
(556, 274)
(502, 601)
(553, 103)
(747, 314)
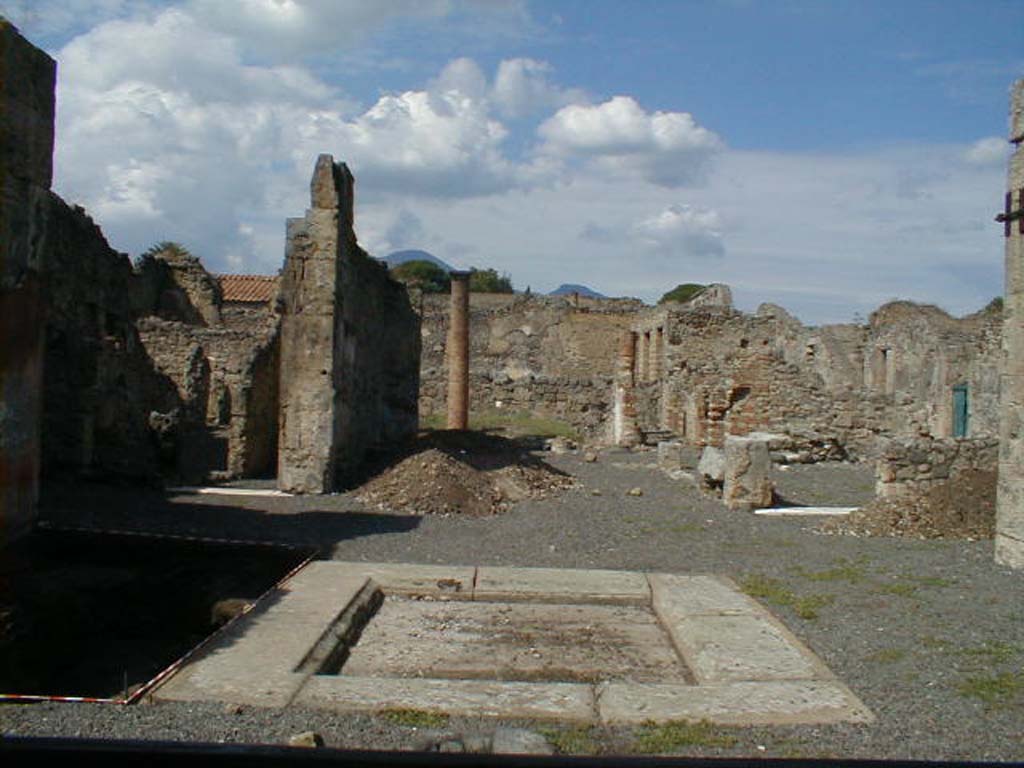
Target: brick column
(1010, 497)
(458, 353)
(625, 431)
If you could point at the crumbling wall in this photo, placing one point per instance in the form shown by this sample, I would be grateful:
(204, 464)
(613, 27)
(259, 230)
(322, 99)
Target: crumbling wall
(350, 345)
(551, 356)
(914, 467)
(704, 373)
(26, 169)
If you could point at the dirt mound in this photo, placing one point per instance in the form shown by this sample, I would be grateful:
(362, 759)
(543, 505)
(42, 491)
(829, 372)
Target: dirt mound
(469, 473)
(962, 510)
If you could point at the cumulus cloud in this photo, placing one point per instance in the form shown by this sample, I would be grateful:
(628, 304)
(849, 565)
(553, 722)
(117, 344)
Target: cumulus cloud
(618, 136)
(988, 151)
(682, 230)
(523, 87)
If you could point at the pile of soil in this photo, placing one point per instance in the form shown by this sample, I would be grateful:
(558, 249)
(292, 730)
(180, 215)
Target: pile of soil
(469, 473)
(965, 509)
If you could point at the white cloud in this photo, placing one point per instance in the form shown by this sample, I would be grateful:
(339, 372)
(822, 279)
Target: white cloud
(283, 29)
(682, 230)
(665, 148)
(988, 151)
(522, 87)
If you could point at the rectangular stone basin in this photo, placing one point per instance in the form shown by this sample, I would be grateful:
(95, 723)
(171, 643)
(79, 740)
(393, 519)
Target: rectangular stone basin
(515, 641)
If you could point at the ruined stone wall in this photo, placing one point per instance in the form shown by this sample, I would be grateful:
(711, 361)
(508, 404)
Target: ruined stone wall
(26, 150)
(226, 381)
(350, 345)
(707, 373)
(1010, 512)
(914, 467)
(538, 354)
(99, 384)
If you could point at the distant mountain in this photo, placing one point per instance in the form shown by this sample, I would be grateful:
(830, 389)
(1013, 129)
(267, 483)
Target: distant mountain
(400, 257)
(566, 288)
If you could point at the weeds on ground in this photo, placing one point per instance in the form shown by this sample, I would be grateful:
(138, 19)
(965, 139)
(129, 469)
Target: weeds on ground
(775, 592)
(995, 691)
(852, 571)
(660, 738)
(572, 741)
(415, 718)
(906, 586)
(991, 653)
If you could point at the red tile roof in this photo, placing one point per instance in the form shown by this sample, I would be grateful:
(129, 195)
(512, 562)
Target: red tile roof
(248, 289)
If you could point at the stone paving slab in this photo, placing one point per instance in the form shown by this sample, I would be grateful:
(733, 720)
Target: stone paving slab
(515, 641)
(559, 585)
(725, 636)
(470, 698)
(253, 661)
(675, 597)
(747, 703)
(721, 649)
(435, 580)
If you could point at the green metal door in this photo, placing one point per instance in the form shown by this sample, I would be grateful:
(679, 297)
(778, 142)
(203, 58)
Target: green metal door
(960, 410)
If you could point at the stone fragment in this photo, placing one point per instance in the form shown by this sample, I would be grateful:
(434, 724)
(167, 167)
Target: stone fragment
(306, 739)
(635, 492)
(747, 484)
(712, 466)
(590, 457)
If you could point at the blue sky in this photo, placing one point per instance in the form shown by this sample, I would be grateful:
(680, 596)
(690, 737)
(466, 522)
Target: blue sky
(826, 156)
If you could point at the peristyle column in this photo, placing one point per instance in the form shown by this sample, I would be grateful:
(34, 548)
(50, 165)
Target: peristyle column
(458, 352)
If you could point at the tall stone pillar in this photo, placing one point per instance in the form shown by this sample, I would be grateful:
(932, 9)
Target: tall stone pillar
(27, 78)
(625, 431)
(458, 353)
(1010, 495)
(311, 352)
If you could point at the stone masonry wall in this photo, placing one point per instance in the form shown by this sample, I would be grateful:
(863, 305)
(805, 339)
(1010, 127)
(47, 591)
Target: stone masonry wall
(26, 148)
(551, 356)
(916, 466)
(707, 373)
(350, 345)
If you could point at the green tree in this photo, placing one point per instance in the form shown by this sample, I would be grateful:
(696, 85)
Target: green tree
(489, 281)
(683, 293)
(422, 274)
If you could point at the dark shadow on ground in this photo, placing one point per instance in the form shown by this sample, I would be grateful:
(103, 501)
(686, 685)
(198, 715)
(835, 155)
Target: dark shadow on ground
(317, 521)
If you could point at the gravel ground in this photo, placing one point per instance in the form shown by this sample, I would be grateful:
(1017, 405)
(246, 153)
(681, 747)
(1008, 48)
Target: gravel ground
(926, 633)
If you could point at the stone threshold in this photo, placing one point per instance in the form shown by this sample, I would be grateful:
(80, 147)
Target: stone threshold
(748, 668)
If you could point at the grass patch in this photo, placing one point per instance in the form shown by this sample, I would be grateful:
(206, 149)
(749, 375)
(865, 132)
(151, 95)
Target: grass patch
(668, 737)
(571, 741)
(515, 423)
(900, 588)
(991, 653)
(994, 690)
(415, 718)
(886, 655)
(775, 592)
(845, 570)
